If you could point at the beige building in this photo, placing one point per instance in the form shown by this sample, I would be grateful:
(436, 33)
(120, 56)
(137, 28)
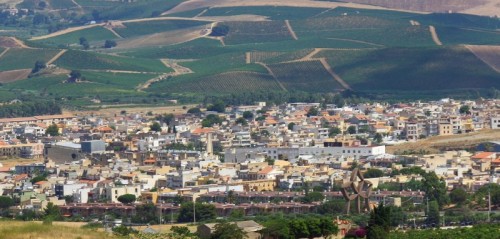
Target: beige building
(29, 150)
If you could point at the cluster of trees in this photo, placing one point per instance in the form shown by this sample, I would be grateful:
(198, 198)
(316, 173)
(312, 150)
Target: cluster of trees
(26, 109)
(204, 212)
(305, 226)
(210, 120)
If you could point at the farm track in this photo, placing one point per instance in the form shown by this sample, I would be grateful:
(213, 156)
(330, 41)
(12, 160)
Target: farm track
(114, 32)
(435, 36)
(311, 54)
(4, 51)
(178, 70)
(65, 31)
(334, 75)
(247, 58)
(351, 40)
(273, 75)
(290, 29)
(201, 13)
(56, 56)
(76, 4)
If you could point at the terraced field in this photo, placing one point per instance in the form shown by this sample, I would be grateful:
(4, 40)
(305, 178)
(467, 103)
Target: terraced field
(309, 76)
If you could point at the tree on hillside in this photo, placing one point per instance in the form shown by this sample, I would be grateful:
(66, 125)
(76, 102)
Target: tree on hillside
(218, 106)
(351, 129)
(127, 198)
(241, 121)
(226, 230)
(291, 125)
(247, 115)
(333, 131)
(379, 224)
(220, 30)
(194, 110)
(203, 212)
(313, 111)
(433, 214)
(110, 44)
(378, 138)
(6, 202)
(458, 196)
(155, 127)
(74, 75)
(52, 130)
(464, 109)
(39, 65)
(84, 43)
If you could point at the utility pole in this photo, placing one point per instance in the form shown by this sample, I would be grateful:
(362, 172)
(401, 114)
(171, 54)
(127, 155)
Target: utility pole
(161, 209)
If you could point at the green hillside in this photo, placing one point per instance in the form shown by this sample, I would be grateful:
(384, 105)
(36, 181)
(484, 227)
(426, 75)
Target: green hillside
(376, 53)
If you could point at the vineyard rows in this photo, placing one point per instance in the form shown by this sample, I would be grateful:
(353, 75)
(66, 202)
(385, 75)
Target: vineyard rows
(256, 32)
(308, 76)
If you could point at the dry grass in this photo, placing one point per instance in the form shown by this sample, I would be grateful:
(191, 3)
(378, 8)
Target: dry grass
(437, 143)
(11, 162)
(14, 75)
(133, 109)
(36, 230)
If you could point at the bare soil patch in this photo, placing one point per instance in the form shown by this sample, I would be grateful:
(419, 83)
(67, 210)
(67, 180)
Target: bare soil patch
(488, 54)
(112, 110)
(14, 75)
(11, 42)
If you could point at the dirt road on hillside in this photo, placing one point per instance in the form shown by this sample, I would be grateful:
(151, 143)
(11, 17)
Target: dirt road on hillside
(435, 36)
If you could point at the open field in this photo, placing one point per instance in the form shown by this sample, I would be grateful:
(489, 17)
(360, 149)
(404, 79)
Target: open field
(11, 162)
(23, 230)
(424, 5)
(111, 110)
(272, 12)
(455, 36)
(438, 143)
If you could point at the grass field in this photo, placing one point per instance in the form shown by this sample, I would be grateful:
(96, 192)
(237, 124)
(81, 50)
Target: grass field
(89, 60)
(278, 57)
(20, 58)
(138, 9)
(23, 230)
(134, 29)
(309, 76)
(199, 48)
(412, 69)
(93, 34)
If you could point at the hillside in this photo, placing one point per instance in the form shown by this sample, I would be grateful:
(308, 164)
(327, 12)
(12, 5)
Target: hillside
(187, 50)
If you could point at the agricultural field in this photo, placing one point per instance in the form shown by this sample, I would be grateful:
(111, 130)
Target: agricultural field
(73, 59)
(412, 69)
(24, 58)
(138, 9)
(309, 76)
(226, 83)
(190, 13)
(272, 12)
(342, 22)
(256, 32)
(134, 29)
(93, 34)
(459, 20)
